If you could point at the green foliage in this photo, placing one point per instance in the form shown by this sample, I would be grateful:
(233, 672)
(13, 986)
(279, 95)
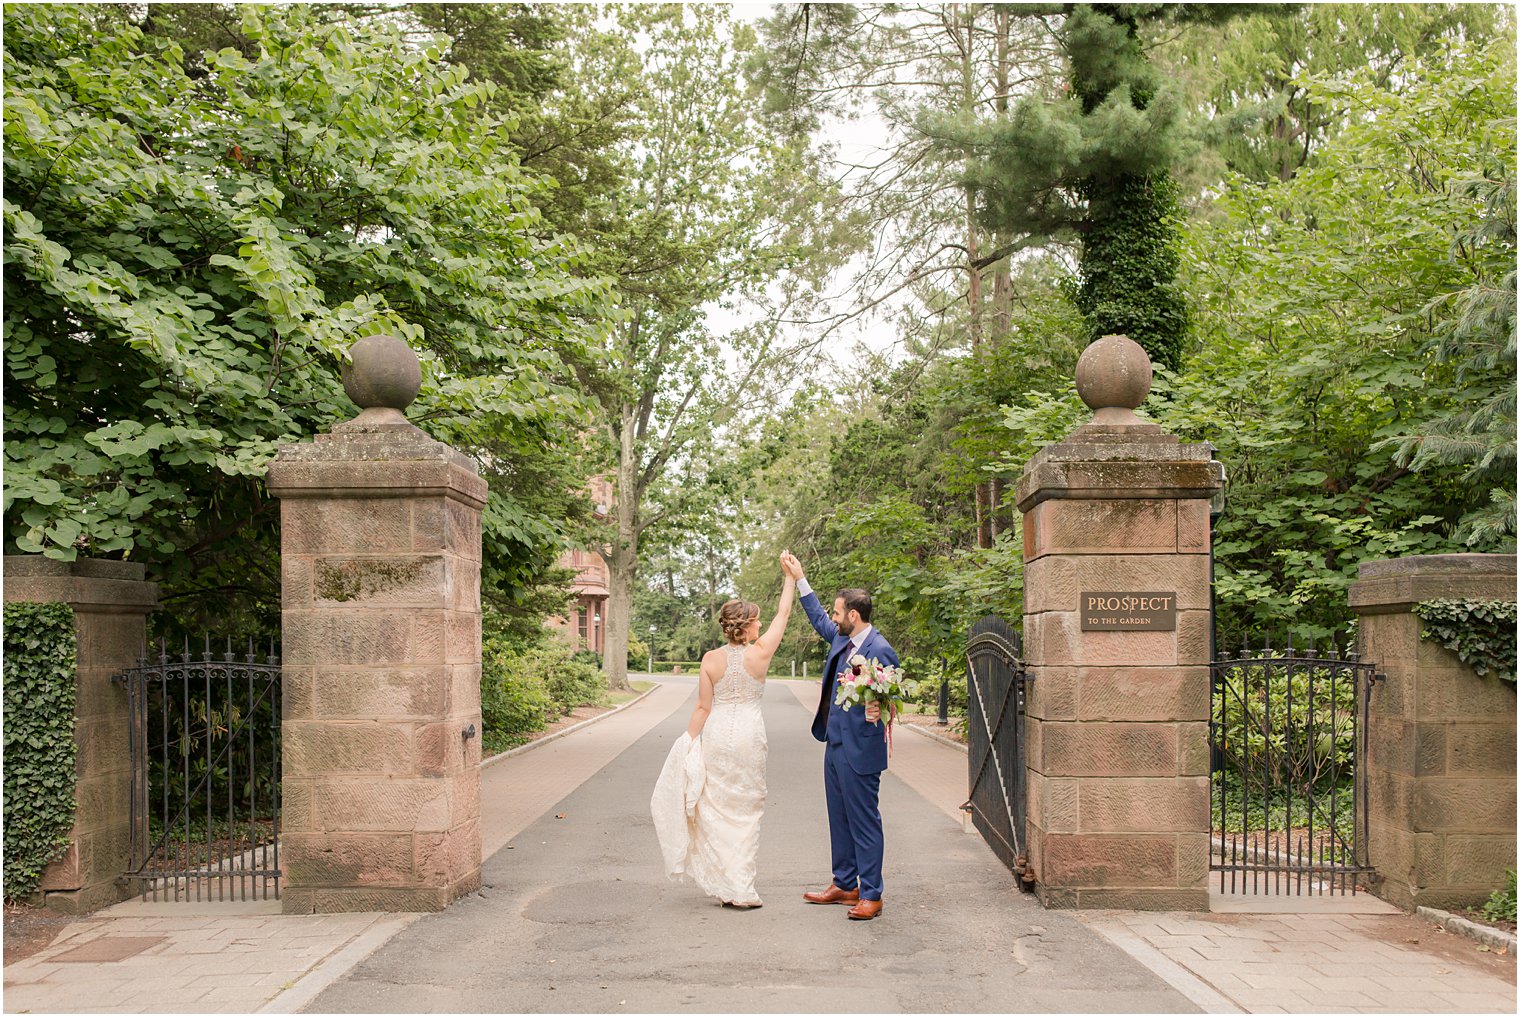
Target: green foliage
(1500, 906)
(40, 679)
(638, 654)
(1480, 632)
(1315, 301)
(528, 682)
(1295, 729)
(191, 247)
(1249, 808)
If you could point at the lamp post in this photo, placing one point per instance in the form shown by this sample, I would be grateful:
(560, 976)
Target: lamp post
(651, 649)
(596, 634)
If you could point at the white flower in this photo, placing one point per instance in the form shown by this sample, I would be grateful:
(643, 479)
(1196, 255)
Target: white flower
(857, 661)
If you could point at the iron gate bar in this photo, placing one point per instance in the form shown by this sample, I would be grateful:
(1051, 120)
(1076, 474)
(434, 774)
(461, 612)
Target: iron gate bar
(1321, 853)
(996, 678)
(243, 870)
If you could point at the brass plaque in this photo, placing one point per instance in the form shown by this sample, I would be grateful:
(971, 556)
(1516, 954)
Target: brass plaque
(1129, 612)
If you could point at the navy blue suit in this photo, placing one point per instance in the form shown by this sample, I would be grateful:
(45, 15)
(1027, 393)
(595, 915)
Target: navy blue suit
(855, 755)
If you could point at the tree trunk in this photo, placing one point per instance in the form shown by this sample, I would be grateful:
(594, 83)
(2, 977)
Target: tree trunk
(973, 250)
(623, 557)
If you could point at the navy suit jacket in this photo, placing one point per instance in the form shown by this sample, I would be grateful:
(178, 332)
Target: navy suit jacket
(864, 744)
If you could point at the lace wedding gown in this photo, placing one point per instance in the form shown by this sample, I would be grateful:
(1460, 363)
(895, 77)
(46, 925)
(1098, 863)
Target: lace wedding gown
(710, 797)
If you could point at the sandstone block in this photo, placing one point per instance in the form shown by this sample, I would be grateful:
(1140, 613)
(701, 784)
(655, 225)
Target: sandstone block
(1109, 750)
(1482, 748)
(1455, 692)
(430, 859)
(297, 800)
(1479, 861)
(347, 859)
(394, 693)
(1053, 804)
(1110, 860)
(394, 580)
(1430, 748)
(348, 636)
(1060, 641)
(462, 635)
(1390, 797)
(1465, 805)
(1139, 693)
(464, 689)
(1056, 582)
(1193, 749)
(63, 873)
(439, 749)
(464, 585)
(464, 530)
(1125, 526)
(1390, 744)
(297, 572)
(1162, 899)
(1193, 528)
(298, 692)
(464, 850)
(429, 643)
(1054, 695)
(464, 795)
(410, 804)
(1143, 805)
(1428, 863)
(1193, 860)
(334, 525)
(313, 748)
(341, 900)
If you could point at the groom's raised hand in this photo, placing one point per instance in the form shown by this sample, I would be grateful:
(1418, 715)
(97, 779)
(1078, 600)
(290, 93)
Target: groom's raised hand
(790, 565)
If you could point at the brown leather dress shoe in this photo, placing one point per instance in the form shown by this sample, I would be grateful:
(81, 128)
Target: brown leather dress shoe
(833, 895)
(865, 910)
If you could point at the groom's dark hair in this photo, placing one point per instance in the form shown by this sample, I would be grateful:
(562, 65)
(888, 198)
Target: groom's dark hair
(856, 600)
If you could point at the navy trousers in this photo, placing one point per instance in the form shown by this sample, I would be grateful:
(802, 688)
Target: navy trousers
(855, 836)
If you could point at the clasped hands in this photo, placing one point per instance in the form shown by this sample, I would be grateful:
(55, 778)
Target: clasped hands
(792, 569)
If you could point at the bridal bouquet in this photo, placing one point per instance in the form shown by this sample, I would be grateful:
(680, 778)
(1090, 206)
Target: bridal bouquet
(871, 681)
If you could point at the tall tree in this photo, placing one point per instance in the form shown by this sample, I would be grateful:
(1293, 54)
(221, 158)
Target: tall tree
(715, 206)
(192, 246)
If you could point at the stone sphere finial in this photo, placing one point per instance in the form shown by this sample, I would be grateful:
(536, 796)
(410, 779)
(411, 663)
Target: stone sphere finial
(1113, 378)
(382, 377)
(382, 372)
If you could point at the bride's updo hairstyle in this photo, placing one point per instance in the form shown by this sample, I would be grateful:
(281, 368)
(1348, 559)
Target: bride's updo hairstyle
(735, 616)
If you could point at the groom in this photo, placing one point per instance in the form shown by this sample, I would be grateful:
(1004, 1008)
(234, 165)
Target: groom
(855, 752)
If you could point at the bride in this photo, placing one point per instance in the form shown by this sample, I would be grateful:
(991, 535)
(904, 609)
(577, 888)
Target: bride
(709, 799)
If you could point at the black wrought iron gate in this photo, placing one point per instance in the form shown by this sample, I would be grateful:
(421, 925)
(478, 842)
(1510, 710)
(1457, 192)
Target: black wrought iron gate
(1288, 791)
(995, 681)
(204, 743)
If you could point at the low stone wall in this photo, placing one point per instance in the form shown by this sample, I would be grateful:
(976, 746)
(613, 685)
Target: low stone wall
(111, 603)
(1440, 767)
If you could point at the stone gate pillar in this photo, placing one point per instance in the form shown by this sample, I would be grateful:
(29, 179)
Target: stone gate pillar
(1116, 634)
(1440, 765)
(380, 562)
(111, 603)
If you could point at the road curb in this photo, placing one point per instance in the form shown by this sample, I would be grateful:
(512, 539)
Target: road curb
(335, 965)
(1496, 938)
(934, 736)
(560, 734)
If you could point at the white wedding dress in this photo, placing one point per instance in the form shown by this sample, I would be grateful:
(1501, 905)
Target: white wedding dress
(710, 797)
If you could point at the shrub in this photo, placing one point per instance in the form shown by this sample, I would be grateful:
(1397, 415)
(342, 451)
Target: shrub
(1297, 728)
(525, 684)
(39, 740)
(1500, 907)
(638, 654)
(571, 682)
